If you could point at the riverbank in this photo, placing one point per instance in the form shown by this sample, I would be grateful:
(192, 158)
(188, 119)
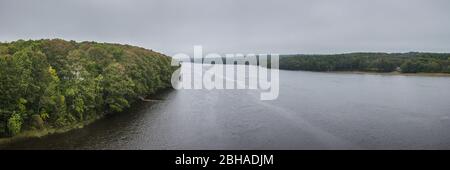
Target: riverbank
(47, 130)
(393, 73)
(377, 62)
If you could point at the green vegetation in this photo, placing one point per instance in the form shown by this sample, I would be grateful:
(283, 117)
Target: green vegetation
(57, 83)
(370, 62)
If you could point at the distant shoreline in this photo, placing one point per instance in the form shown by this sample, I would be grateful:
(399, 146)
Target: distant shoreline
(370, 72)
(389, 73)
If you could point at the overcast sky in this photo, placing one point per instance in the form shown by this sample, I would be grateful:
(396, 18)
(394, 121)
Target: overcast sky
(237, 26)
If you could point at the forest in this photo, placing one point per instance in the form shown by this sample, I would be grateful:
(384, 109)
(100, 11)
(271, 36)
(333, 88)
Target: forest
(412, 62)
(57, 83)
(370, 62)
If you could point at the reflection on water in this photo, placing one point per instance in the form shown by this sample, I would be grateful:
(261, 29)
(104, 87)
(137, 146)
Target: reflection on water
(313, 111)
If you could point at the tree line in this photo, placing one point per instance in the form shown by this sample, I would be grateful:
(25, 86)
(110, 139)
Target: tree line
(370, 62)
(366, 62)
(57, 83)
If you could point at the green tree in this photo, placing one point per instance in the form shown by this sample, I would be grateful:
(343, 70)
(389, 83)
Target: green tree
(117, 87)
(58, 83)
(14, 124)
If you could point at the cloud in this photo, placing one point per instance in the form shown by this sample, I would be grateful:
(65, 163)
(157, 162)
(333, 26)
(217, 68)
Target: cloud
(232, 26)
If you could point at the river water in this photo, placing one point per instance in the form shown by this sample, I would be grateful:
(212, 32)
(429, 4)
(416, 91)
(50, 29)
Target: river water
(313, 111)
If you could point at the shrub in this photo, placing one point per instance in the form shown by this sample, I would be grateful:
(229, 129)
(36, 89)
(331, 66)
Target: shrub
(14, 124)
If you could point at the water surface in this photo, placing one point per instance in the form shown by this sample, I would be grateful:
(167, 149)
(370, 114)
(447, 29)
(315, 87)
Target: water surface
(313, 111)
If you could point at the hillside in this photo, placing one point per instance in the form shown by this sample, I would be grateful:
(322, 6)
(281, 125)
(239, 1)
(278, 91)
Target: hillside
(57, 83)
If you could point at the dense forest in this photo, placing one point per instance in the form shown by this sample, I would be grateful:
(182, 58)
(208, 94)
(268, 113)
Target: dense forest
(365, 62)
(370, 62)
(57, 83)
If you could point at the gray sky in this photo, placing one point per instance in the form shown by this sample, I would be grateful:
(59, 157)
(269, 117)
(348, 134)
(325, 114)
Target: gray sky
(237, 26)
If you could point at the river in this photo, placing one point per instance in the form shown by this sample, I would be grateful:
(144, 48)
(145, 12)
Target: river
(313, 111)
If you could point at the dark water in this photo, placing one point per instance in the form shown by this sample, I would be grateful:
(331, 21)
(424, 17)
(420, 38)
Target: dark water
(313, 111)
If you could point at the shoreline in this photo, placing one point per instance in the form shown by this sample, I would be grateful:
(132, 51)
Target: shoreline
(396, 73)
(46, 131)
(392, 73)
